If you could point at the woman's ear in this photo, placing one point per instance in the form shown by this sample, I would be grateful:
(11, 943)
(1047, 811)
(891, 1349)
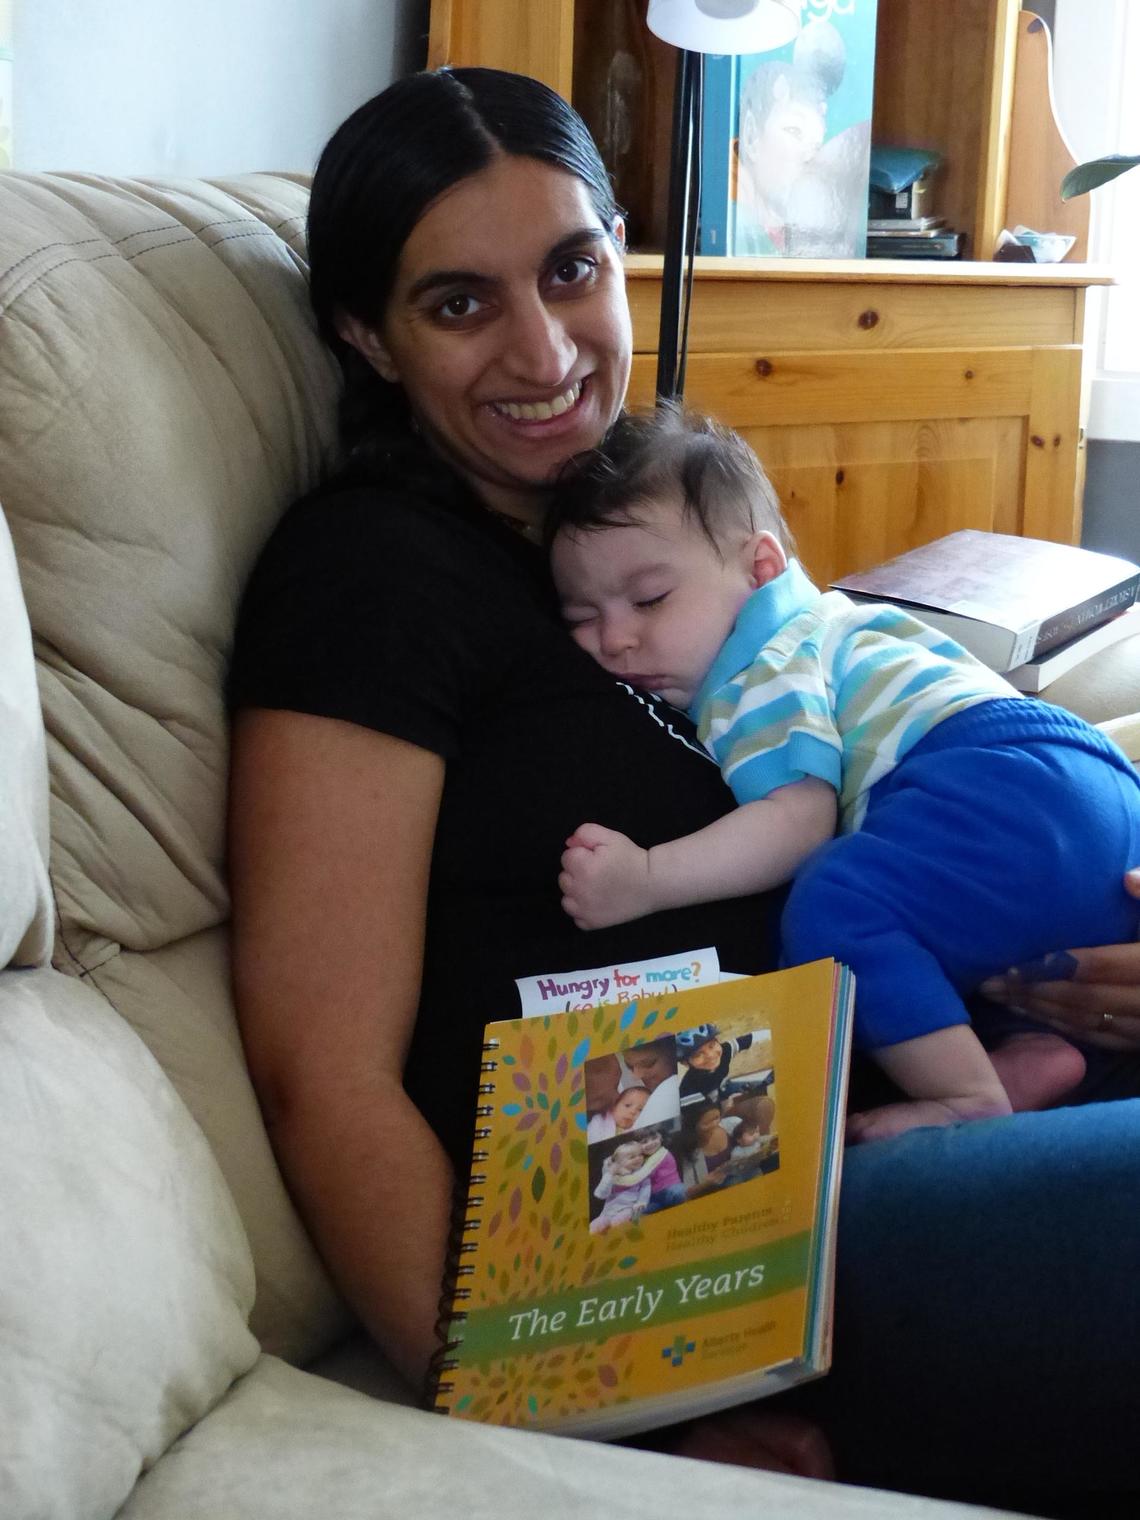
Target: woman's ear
(368, 343)
(766, 558)
(619, 233)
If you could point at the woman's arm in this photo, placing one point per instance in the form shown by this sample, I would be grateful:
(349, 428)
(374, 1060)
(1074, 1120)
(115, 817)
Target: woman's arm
(331, 830)
(607, 879)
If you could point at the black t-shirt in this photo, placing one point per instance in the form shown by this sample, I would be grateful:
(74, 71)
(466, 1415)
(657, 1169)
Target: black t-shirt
(430, 621)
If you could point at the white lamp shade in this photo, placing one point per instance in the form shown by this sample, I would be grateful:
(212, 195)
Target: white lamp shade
(725, 26)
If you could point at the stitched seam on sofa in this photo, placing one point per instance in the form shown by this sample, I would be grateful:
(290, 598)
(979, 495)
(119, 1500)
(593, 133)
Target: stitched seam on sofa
(95, 258)
(80, 243)
(114, 951)
(174, 236)
(60, 935)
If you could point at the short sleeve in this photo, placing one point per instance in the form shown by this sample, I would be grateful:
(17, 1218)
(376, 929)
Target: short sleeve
(362, 608)
(773, 724)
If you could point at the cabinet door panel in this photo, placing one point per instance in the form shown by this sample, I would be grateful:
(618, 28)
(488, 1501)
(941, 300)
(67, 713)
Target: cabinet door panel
(875, 453)
(857, 494)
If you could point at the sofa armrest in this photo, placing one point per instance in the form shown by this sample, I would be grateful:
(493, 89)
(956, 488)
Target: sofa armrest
(289, 1444)
(1104, 687)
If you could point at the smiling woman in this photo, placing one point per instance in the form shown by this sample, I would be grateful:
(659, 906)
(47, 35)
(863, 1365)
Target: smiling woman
(415, 737)
(513, 352)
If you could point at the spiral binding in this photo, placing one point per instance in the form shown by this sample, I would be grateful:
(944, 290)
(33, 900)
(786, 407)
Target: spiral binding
(465, 1221)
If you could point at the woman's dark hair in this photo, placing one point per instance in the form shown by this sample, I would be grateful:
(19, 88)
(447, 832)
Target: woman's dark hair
(688, 1142)
(379, 173)
(669, 453)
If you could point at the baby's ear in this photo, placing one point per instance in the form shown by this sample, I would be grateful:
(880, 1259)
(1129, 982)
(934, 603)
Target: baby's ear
(766, 558)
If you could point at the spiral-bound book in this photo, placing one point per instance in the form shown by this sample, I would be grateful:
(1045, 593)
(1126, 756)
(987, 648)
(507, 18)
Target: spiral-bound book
(648, 1233)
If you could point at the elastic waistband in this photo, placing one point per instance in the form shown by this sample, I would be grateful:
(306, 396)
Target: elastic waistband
(1019, 720)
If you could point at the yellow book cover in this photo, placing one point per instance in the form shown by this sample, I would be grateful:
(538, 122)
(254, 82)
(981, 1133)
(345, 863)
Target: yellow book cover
(649, 1227)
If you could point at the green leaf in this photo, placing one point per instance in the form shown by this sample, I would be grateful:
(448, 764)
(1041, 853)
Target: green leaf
(1097, 172)
(538, 1184)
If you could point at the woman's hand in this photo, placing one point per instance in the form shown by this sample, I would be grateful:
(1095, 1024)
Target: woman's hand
(1091, 994)
(604, 878)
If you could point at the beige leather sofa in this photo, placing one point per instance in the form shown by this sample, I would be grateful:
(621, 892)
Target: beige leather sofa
(162, 395)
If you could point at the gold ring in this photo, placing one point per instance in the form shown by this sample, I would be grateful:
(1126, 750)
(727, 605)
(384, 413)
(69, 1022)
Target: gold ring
(1106, 1021)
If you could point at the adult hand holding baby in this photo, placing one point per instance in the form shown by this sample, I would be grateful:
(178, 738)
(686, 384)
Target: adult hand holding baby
(1092, 994)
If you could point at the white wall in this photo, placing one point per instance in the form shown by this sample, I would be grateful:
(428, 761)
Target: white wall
(199, 87)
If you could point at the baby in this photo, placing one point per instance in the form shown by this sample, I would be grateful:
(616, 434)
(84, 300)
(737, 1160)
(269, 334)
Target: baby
(978, 827)
(750, 1146)
(622, 1114)
(625, 1184)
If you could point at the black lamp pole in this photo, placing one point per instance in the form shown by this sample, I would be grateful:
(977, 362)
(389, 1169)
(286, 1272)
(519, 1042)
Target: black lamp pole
(681, 226)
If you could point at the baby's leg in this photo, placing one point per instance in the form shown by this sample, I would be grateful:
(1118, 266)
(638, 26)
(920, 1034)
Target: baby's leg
(948, 1078)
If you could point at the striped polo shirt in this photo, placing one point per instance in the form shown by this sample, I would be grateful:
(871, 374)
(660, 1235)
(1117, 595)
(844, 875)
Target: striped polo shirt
(817, 685)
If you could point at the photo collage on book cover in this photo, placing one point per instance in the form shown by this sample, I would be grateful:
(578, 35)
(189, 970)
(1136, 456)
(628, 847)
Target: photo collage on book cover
(678, 1118)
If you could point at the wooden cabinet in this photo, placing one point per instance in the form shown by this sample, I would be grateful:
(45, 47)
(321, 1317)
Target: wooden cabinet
(892, 402)
(890, 405)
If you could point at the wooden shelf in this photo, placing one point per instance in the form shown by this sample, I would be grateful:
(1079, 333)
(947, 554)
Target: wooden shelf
(875, 271)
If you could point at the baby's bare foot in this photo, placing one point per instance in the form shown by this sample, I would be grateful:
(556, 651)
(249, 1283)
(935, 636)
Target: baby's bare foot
(920, 1113)
(1037, 1069)
(768, 1439)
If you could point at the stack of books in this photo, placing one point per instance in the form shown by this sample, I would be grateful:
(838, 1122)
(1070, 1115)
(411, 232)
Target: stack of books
(1027, 608)
(917, 237)
(901, 223)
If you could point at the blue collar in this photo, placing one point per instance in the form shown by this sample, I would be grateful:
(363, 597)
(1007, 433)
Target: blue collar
(762, 616)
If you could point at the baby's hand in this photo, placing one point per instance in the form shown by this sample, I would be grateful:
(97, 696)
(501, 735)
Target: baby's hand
(604, 878)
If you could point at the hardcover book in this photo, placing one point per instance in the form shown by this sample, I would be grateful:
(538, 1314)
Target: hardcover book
(1036, 675)
(1008, 600)
(786, 144)
(650, 1224)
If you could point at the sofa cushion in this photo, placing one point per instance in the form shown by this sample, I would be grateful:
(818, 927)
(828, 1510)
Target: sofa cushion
(25, 897)
(125, 1276)
(165, 397)
(286, 1444)
(178, 999)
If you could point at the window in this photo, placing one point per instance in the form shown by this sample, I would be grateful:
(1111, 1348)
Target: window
(1096, 54)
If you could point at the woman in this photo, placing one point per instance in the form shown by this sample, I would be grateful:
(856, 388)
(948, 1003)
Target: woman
(705, 1147)
(415, 738)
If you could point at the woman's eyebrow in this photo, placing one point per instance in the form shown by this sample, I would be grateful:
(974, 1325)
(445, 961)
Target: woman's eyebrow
(591, 234)
(438, 279)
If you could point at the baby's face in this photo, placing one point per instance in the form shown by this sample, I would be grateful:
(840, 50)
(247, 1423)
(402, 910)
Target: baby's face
(651, 602)
(629, 1106)
(628, 1157)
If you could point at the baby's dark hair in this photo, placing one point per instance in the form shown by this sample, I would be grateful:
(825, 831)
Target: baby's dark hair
(648, 456)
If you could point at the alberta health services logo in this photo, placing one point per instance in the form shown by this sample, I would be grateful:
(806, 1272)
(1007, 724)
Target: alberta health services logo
(678, 1350)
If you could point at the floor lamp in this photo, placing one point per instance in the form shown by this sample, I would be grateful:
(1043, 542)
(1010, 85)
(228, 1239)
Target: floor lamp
(697, 27)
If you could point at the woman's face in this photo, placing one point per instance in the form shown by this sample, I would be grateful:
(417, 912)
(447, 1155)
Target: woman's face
(508, 328)
(707, 1125)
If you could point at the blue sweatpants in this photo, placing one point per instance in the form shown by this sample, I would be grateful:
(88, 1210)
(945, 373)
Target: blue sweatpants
(1002, 835)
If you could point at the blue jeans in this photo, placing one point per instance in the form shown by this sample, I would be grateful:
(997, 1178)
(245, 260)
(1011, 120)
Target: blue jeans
(987, 1335)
